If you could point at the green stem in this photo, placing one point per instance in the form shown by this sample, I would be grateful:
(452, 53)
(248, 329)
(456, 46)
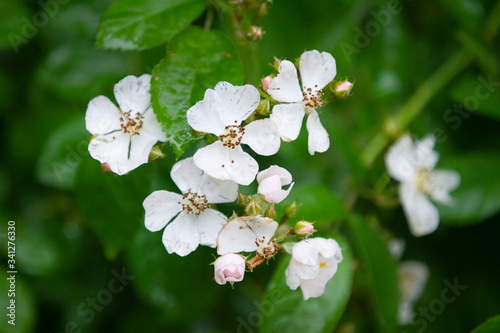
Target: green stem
(250, 58)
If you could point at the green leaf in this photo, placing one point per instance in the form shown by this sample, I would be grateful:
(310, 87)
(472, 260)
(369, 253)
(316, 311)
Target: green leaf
(492, 325)
(111, 204)
(478, 195)
(480, 94)
(137, 25)
(284, 310)
(197, 60)
(319, 203)
(379, 269)
(61, 155)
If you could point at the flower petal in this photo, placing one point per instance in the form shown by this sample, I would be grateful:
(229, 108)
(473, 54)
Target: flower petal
(186, 175)
(270, 188)
(132, 93)
(205, 116)
(262, 227)
(140, 147)
(442, 182)
(226, 163)
(318, 136)
(423, 217)
(316, 287)
(113, 150)
(152, 126)
(317, 69)
(426, 157)
(161, 207)
(400, 161)
(274, 170)
(102, 116)
(178, 236)
(209, 224)
(288, 120)
(237, 102)
(262, 136)
(285, 86)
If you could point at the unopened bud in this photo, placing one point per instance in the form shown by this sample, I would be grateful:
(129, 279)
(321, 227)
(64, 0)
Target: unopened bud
(276, 64)
(291, 209)
(271, 212)
(242, 200)
(342, 89)
(265, 82)
(255, 33)
(253, 208)
(229, 268)
(303, 229)
(156, 154)
(263, 107)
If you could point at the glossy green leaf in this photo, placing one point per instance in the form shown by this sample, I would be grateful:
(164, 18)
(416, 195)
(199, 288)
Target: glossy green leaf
(136, 25)
(284, 310)
(319, 203)
(379, 270)
(196, 61)
(111, 204)
(492, 325)
(478, 195)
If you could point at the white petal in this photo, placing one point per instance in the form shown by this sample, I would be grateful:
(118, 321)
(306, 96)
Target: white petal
(262, 136)
(399, 159)
(209, 224)
(426, 157)
(132, 93)
(291, 274)
(316, 287)
(186, 175)
(152, 126)
(205, 116)
(236, 236)
(423, 217)
(140, 147)
(113, 150)
(225, 163)
(318, 136)
(285, 86)
(263, 227)
(288, 120)
(161, 207)
(180, 235)
(413, 276)
(317, 69)
(307, 251)
(102, 116)
(237, 102)
(441, 183)
(274, 170)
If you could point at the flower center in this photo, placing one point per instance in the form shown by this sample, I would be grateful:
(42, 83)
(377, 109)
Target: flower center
(131, 124)
(312, 98)
(266, 249)
(423, 181)
(232, 136)
(193, 203)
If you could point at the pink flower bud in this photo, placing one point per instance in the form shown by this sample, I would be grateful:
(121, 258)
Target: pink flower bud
(229, 268)
(303, 228)
(343, 89)
(265, 82)
(271, 181)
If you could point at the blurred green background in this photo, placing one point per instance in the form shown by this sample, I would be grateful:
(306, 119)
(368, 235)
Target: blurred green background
(78, 227)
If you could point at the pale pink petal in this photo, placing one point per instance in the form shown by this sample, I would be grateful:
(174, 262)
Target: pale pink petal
(274, 170)
(205, 116)
(132, 93)
(229, 268)
(422, 215)
(262, 136)
(161, 207)
(102, 116)
(318, 136)
(317, 69)
(237, 102)
(288, 120)
(270, 188)
(226, 163)
(285, 86)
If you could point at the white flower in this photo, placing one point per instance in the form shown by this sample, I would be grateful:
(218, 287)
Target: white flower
(412, 164)
(413, 277)
(247, 234)
(229, 268)
(194, 223)
(314, 262)
(271, 181)
(221, 112)
(123, 137)
(316, 71)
